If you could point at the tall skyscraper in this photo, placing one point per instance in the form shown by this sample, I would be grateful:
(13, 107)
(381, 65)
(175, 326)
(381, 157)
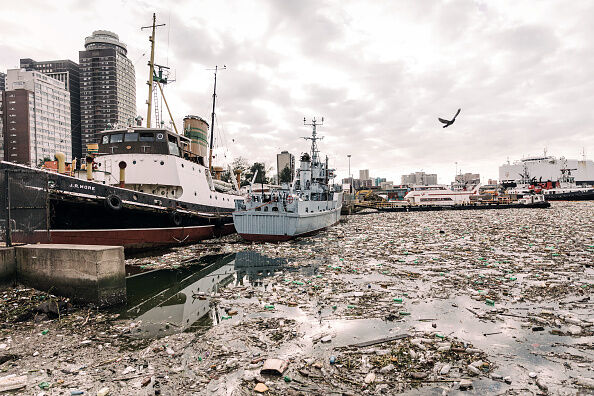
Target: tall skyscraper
(364, 174)
(36, 117)
(66, 71)
(2, 81)
(107, 86)
(285, 160)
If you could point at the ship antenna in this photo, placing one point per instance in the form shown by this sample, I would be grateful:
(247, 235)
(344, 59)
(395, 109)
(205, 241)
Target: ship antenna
(314, 137)
(151, 67)
(214, 96)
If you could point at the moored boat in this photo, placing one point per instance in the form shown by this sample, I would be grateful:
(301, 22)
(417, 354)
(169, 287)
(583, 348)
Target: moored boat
(309, 205)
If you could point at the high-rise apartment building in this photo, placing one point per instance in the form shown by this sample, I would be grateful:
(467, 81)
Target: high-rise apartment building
(364, 174)
(2, 125)
(66, 71)
(107, 86)
(285, 160)
(2, 81)
(36, 117)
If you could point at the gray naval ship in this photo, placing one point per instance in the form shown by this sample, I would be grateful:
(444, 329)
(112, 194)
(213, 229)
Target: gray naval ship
(307, 206)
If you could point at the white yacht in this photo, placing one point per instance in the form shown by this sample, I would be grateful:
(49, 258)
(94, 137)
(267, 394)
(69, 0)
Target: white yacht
(439, 195)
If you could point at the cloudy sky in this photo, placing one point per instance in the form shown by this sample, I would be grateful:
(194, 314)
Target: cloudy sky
(379, 72)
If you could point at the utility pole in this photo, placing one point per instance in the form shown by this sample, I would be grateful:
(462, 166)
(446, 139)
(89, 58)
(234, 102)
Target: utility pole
(350, 176)
(214, 97)
(151, 68)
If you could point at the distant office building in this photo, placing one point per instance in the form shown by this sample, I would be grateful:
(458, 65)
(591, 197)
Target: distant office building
(285, 160)
(419, 179)
(364, 174)
(378, 180)
(2, 81)
(547, 168)
(68, 72)
(492, 182)
(107, 86)
(1, 125)
(36, 117)
(387, 185)
(468, 178)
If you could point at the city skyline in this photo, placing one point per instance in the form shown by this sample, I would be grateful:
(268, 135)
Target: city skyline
(380, 74)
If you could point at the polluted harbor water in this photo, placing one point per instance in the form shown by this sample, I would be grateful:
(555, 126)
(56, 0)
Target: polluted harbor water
(490, 302)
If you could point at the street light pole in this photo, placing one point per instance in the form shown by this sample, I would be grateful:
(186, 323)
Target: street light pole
(350, 177)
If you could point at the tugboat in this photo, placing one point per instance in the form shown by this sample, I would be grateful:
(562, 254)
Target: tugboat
(141, 188)
(310, 204)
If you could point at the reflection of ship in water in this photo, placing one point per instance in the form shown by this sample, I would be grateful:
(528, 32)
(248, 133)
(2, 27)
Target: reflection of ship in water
(256, 266)
(171, 301)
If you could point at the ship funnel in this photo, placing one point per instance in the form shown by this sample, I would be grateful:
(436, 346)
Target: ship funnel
(89, 168)
(196, 129)
(218, 171)
(61, 158)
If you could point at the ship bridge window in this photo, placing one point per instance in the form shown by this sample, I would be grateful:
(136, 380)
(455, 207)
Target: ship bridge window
(105, 139)
(147, 137)
(131, 137)
(172, 143)
(116, 138)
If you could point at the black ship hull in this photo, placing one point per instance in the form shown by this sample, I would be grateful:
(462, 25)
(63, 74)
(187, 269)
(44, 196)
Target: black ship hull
(571, 196)
(87, 212)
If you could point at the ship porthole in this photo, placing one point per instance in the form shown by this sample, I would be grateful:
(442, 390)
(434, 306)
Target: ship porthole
(195, 193)
(162, 163)
(182, 165)
(134, 162)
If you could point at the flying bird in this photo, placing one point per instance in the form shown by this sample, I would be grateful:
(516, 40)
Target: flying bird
(449, 122)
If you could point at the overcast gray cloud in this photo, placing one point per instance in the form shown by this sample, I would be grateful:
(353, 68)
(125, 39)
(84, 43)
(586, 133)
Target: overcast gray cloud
(379, 72)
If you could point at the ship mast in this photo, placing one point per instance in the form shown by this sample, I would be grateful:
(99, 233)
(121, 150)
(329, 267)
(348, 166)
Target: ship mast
(151, 68)
(214, 97)
(314, 138)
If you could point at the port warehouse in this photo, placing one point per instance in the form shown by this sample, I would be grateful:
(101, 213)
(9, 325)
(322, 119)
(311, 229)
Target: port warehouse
(548, 168)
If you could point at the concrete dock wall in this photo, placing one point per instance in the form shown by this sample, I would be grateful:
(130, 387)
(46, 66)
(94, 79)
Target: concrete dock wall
(85, 273)
(7, 267)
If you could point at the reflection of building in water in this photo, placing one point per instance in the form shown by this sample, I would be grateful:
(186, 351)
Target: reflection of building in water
(176, 305)
(256, 266)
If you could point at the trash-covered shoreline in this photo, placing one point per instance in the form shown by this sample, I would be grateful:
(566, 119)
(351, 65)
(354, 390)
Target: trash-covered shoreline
(496, 302)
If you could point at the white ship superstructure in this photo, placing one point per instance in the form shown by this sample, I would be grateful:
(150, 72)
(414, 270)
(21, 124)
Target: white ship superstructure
(547, 168)
(439, 195)
(310, 205)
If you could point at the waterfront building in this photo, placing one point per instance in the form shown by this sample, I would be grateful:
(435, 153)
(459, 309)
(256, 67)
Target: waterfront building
(389, 185)
(419, 179)
(1, 126)
(285, 160)
(378, 180)
(2, 81)
(36, 117)
(107, 86)
(545, 168)
(68, 72)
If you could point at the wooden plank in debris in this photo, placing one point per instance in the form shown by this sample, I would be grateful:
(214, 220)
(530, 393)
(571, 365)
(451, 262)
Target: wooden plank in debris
(380, 340)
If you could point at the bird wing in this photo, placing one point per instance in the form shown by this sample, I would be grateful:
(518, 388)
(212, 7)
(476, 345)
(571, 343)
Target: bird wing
(442, 120)
(458, 112)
